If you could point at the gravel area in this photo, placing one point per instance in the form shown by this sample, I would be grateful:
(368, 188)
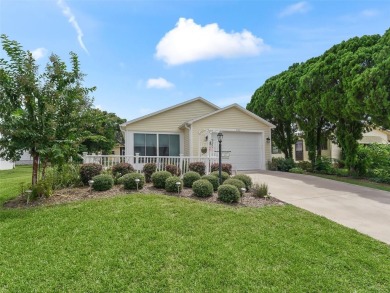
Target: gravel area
(75, 194)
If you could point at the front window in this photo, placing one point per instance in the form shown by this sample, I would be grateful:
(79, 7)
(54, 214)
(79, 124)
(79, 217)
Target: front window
(146, 144)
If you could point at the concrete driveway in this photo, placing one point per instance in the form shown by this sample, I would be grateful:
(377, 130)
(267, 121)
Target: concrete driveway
(364, 209)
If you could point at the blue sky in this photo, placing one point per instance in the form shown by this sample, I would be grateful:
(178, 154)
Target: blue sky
(147, 55)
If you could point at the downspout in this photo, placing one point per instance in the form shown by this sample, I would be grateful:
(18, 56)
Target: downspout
(190, 137)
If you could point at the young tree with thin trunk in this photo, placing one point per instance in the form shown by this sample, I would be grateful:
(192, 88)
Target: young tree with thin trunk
(41, 113)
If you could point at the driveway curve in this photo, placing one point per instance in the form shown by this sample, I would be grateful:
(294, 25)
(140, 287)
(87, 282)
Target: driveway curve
(365, 209)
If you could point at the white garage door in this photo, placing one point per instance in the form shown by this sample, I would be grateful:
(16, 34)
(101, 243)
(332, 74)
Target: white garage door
(246, 150)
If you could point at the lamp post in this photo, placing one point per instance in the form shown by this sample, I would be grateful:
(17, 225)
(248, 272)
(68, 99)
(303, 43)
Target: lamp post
(220, 136)
(90, 182)
(137, 180)
(178, 187)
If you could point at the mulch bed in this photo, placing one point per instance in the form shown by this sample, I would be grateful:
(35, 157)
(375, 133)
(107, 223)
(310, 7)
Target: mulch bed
(81, 193)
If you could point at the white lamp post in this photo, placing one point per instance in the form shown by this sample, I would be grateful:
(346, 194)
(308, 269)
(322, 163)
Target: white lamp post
(90, 182)
(137, 182)
(178, 183)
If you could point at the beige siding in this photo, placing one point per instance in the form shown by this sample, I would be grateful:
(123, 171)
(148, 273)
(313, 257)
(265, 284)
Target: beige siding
(234, 120)
(186, 136)
(170, 121)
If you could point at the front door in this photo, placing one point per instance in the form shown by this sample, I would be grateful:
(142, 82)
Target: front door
(299, 150)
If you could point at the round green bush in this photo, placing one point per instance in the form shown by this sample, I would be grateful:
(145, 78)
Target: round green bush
(202, 188)
(159, 178)
(213, 180)
(102, 182)
(237, 183)
(224, 175)
(190, 177)
(130, 183)
(228, 193)
(170, 184)
(120, 180)
(122, 169)
(87, 171)
(246, 179)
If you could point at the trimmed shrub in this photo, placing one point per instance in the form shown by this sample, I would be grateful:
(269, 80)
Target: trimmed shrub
(246, 179)
(173, 169)
(228, 193)
(122, 169)
(324, 165)
(198, 167)
(213, 180)
(120, 180)
(148, 170)
(129, 181)
(202, 188)
(190, 177)
(237, 183)
(224, 175)
(281, 164)
(88, 171)
(225, 167)
(102, 182)
(305, 166)
(159, 178)
(260, 190)
(342, 172)
(296, 170)
(170, 184)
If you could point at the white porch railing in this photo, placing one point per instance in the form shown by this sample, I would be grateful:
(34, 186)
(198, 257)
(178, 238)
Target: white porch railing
(138, 162)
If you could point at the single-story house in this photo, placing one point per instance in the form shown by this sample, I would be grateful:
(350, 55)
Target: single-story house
(191, 129)
(331, 150)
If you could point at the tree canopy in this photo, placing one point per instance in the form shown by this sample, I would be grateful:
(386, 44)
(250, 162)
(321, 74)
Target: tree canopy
(337, 96)
(41, 113)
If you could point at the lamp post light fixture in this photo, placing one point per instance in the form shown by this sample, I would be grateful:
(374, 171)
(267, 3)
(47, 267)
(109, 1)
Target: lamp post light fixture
(137, 182)
(178, 183)
(220, 137)
(90, 182)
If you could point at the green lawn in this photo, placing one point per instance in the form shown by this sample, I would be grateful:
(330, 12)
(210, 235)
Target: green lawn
(360, 182)
(10, 181)
(156, 243)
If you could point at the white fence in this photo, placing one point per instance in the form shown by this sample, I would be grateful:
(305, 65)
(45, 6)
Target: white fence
(138, 162)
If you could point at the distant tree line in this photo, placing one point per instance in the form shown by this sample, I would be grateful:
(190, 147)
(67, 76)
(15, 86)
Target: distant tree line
(338, 95)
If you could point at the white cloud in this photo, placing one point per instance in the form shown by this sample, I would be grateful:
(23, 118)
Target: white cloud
(369, 13)
(159, 83)
(300, 7)
(72, 19)
(189, 42)
(38, 53)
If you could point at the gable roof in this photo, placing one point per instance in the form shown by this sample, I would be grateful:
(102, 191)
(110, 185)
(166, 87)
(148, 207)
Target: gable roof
(245, 111)
(170, 108)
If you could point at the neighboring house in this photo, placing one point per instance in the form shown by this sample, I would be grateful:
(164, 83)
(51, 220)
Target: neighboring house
(6, 165)
(118, 150)
(191, 128)
(330, 149)
(25, 159)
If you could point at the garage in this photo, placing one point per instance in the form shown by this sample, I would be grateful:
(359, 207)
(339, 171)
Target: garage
(243, 150)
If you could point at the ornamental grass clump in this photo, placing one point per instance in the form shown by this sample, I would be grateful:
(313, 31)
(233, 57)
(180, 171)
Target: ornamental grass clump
(87, 171)
(237, 183)
(190, 177)
(228, 193)
(213, 180)
(159, 178)
(102, 182)
(171, 186)
(202, 188)
(246, 179)
(224, 175)
(260, 190)
(129, 181)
